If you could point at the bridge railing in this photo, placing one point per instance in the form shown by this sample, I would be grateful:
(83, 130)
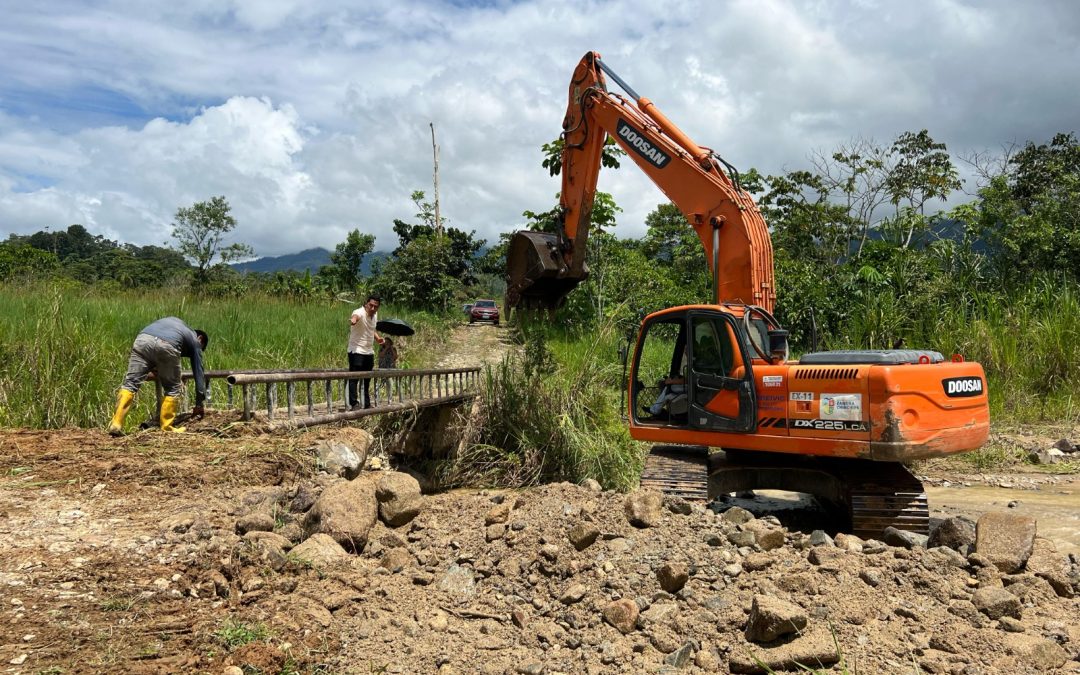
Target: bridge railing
(302, 398)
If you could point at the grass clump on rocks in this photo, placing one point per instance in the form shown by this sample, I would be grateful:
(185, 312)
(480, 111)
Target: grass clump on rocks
(552, 413)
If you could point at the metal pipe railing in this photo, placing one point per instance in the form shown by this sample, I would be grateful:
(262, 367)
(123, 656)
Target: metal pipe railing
(251, 377)
(391, 390)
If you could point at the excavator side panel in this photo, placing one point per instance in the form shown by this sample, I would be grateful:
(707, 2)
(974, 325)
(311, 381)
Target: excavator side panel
(883, 413)
(927, 410)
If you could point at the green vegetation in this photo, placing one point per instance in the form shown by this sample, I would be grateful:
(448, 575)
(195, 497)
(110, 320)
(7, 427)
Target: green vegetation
(64, 347)
(234, 633)
(552, 414)
(200, 230)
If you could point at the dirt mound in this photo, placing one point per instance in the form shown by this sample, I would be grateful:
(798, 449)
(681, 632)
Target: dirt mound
(178, 554)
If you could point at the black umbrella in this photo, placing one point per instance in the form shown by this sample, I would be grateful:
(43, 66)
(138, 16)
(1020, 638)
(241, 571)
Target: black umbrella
(394, 327)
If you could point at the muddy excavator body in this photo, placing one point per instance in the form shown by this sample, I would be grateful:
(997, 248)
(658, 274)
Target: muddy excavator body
(725, 406)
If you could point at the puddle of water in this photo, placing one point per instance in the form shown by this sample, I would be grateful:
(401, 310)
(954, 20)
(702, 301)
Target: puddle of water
(1055, 507)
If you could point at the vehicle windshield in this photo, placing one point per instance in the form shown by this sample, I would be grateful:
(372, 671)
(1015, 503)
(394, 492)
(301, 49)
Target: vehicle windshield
(485, 303)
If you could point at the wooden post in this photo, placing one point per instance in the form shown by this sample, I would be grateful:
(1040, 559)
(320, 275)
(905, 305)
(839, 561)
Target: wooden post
(435, 152)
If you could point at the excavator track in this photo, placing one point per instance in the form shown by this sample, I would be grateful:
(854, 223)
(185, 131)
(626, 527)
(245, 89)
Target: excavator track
(876, 495)
(680, 471)
(884, 494)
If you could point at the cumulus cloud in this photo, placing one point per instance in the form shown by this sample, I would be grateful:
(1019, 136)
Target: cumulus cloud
(312, 117)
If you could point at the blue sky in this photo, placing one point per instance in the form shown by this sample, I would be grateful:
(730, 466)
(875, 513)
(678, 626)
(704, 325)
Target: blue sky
(312, 117)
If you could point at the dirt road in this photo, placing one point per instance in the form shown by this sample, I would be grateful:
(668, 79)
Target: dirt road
(476, 344)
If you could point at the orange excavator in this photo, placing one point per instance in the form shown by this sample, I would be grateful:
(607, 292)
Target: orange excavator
(729, 411)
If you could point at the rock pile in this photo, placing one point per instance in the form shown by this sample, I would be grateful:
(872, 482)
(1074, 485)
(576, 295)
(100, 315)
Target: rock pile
(567, 579)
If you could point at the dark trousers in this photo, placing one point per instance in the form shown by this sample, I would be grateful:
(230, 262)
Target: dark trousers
(359, 362)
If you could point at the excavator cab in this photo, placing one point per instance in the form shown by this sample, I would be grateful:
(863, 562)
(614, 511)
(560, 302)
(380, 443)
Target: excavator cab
(700, 362)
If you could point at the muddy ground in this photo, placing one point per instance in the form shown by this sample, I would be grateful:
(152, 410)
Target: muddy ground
(125, 555)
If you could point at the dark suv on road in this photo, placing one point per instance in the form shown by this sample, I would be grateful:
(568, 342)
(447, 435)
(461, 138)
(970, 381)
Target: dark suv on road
(484, 310)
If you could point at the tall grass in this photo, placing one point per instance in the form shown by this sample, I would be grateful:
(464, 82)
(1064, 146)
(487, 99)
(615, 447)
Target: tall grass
(1028, 344)
(64, 347)
(552, 413)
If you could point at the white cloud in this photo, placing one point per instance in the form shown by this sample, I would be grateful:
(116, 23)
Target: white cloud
(312, 117)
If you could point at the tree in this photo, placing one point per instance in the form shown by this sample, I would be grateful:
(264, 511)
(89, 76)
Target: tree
(418, 275)
(22, 260)
(806, 219)
(200, 232)
(461, 248)
(1029, 215)
(672, 243)
(609, 156)
(427, 268)
(923, 172)
(348, 256)
(857, 173)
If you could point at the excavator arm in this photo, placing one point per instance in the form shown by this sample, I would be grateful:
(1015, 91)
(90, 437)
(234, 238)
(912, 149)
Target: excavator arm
(543, 268)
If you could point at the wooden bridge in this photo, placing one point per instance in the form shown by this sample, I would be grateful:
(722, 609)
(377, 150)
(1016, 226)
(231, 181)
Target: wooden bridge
(289, 399)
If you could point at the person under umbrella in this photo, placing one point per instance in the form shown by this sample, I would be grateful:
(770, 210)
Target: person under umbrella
(388, 353)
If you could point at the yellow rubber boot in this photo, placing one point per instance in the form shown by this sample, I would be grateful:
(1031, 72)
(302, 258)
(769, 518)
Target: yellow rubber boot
(168, 414)
(123, 404)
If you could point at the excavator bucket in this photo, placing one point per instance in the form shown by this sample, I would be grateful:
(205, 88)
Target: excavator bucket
(536, 275)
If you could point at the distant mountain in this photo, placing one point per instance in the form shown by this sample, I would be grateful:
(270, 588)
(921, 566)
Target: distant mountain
(311, 259)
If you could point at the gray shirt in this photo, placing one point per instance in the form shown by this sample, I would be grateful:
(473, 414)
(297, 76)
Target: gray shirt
(176, 333)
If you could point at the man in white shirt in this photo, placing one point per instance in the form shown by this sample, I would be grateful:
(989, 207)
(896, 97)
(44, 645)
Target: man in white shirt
(362, 337)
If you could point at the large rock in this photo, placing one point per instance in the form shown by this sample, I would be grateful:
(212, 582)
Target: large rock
(458, 582)
(659, 613)
(583, 535)
(737, 515)
(1041, 654)
(1066, 446)
(903, 538)
(766, 536)
(1006, 539)
(341, 459)
(673, 576)
(622, 614)
(261, 520)
(815, 648)
(500, 513)
(853, 544)
(269, 547)
(320, 550)
(399, 498)
(772, 618)
(1047, 563)
(955, 533)
(996, 602)
(642, 508)
(346, 511)
(1047, 456)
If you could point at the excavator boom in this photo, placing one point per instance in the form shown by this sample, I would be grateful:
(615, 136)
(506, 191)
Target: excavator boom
(543, 268)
